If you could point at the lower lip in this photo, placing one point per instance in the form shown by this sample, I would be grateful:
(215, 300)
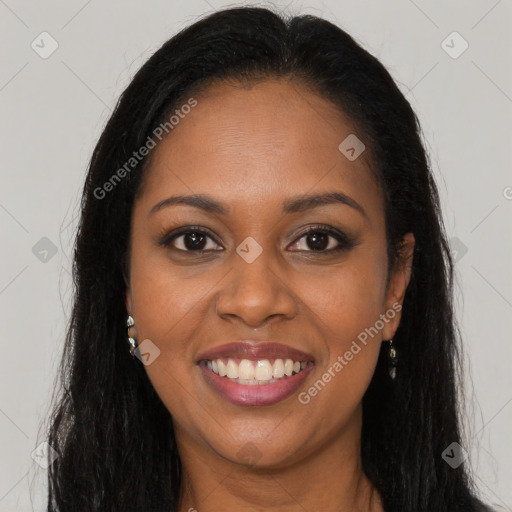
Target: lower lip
(259, 394)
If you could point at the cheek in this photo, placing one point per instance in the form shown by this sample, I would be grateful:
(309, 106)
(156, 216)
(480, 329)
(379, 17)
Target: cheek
(168, 298)
(347, 298)
(170, 305)
(347, 310)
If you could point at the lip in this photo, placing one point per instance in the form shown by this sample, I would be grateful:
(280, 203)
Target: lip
(259, 394)
(256, 395)
(250, 349)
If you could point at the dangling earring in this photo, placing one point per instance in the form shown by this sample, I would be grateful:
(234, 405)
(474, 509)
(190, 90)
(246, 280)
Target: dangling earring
(131, 341)
(393, 359)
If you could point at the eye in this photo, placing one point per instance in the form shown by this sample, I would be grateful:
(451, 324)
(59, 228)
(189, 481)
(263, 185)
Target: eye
(193, 239)
(324, 239)
(320, 239)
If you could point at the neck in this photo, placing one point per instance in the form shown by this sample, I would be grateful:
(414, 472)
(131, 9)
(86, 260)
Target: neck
(330, 478)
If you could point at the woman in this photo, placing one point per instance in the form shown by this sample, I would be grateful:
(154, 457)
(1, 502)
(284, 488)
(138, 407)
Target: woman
(262, 316)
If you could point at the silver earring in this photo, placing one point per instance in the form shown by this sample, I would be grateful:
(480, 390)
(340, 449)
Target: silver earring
(131, 341)
(393, 359)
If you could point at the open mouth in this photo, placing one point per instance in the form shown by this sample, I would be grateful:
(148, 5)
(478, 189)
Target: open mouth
(255, 372)
(251, 373)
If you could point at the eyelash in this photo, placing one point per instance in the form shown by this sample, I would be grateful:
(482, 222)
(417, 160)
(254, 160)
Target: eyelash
(345, 242)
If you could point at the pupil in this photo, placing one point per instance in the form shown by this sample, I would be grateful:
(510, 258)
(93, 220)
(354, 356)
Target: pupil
(197, 240)
(314, 237)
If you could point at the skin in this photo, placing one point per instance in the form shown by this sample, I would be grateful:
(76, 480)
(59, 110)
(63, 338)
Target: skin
(252, 148)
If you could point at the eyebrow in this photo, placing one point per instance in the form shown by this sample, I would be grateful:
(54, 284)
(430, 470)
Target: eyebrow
(292, 205)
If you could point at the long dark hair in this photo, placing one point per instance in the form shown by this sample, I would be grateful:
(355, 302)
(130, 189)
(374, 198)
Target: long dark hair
(114, 435)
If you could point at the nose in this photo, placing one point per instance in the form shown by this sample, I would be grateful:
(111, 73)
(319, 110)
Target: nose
(256, 291)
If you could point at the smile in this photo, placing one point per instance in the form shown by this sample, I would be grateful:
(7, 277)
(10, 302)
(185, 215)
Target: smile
(256, 372)
(255, 392)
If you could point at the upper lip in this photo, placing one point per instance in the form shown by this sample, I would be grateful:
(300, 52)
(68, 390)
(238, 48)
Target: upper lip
(249, 349)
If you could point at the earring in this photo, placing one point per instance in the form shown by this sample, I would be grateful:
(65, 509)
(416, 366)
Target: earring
(393, 359)
(132, 342)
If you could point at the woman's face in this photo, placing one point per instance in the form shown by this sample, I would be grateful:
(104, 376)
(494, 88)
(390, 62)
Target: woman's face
(247, 274)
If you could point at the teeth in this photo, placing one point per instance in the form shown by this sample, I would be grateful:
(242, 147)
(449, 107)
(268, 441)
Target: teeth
(252, 372)
(232, 369)
(246, 370)
(278, 370)
(222, 367)
(263, 370)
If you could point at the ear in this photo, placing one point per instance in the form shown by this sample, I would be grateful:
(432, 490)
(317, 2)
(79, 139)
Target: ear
(398, 282)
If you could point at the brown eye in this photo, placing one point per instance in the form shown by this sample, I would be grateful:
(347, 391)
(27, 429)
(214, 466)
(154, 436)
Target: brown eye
(324, 240)
(191, 240)
(318, 241)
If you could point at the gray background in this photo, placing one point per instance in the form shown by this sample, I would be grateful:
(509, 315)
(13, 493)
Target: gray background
(53, 111)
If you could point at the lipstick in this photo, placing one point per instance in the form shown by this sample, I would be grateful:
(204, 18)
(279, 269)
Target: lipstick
(249, 373)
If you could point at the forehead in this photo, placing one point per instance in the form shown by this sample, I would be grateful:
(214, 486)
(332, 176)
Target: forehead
(245, 144)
